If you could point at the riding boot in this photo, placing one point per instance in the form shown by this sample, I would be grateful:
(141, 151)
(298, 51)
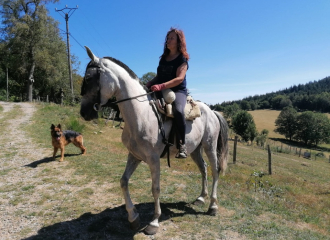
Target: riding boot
(182, 151)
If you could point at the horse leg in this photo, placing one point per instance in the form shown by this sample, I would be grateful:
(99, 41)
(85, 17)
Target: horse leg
(197, 156)
(153, 226)
(212, 156)
(133, 215)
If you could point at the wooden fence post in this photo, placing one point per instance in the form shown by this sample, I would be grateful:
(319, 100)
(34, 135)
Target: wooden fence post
(234, 153)
(299, 152)
(113, 117)
(269, 161)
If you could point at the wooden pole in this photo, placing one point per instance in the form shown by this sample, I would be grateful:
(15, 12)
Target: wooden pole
(113, 117)
(234, 153)
(269, 161)
(7, 84)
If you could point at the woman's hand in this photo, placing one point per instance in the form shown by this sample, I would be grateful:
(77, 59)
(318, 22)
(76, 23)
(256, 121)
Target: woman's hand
(157, 87)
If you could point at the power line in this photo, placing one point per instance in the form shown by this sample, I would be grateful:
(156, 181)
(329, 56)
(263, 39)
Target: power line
(68, 13)
(77, 41)
(73, 38)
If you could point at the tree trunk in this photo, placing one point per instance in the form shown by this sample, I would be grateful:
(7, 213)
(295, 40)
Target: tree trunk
(30, 82)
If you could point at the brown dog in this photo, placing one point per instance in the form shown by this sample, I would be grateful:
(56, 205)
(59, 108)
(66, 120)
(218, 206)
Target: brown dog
(62, 138)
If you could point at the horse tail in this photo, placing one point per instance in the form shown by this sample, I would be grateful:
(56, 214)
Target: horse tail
(222, 146)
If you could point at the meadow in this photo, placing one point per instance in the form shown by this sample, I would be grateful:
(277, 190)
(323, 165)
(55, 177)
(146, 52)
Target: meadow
(83, 192)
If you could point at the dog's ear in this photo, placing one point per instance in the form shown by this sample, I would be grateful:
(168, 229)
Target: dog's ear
(59, 126)
(52, 127)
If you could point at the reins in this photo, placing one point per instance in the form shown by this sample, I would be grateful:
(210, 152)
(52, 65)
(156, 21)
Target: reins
(119, 101)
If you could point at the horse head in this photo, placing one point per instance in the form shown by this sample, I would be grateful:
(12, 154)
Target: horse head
(91, 89)
(105, 78)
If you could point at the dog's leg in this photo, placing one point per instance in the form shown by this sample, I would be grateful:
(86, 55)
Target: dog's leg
(55, 151)
(79, 143)
(83, 150)
(62, 154)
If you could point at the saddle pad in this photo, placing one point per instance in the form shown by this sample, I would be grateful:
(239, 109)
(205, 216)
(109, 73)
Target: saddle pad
(191, 110)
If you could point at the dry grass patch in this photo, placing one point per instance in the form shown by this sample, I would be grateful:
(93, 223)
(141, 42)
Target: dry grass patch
(265, 119)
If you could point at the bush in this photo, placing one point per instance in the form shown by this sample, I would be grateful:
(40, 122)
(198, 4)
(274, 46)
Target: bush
(74, 124)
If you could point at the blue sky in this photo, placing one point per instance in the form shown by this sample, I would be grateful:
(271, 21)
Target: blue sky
(237, 48)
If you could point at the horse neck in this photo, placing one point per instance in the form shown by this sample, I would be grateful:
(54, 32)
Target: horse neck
(131, 109)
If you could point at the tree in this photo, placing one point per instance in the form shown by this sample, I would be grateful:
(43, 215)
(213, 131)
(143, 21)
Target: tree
(262, 137)
(264, 104)
(276, 101)
(321, 130)
(35, 52)
(304, 127)
(229, 112)
(313, 128)
(245, 105)
(243, 125)
(253, 105)
(147, 77)
(286, 122)
(285, 102)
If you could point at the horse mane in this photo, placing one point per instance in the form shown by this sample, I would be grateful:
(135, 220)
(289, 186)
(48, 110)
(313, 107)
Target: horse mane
(123, 65)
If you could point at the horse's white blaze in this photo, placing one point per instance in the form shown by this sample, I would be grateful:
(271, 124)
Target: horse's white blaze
(142, 137)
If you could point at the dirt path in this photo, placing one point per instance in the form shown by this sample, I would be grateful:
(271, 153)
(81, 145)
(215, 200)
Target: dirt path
(30, 198)
(17, 151)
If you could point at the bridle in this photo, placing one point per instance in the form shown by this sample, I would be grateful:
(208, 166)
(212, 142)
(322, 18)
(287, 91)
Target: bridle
(95, 69)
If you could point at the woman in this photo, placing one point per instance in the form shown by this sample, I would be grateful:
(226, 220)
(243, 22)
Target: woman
(171, 73)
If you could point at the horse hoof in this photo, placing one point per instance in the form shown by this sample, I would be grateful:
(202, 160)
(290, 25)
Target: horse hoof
(212, 212)
(135, 224)
(198, 202)
(150, 230)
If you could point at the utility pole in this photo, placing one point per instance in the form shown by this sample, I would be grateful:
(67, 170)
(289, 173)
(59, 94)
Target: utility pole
(7, 84)
(67, 13)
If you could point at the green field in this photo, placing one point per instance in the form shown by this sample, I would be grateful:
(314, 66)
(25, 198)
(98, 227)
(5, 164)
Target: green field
(84, 192)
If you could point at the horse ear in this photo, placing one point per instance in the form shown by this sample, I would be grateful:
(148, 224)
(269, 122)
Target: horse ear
(91, 55)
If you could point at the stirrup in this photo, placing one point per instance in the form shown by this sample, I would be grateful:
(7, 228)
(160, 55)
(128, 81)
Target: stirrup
(182, 152)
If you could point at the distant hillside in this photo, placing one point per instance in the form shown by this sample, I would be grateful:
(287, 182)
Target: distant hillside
(313, 96)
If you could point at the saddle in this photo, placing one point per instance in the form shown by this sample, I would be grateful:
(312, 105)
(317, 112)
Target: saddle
(164, 105)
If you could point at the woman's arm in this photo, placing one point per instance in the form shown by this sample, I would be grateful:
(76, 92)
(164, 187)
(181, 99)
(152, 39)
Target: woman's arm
(180, 74)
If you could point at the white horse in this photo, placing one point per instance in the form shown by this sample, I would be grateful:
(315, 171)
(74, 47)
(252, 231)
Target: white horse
(108, 77)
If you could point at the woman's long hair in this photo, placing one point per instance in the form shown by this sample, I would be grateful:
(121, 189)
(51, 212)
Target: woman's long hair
(182, 47)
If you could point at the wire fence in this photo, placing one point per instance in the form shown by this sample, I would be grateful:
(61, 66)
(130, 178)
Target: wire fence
(280, 147)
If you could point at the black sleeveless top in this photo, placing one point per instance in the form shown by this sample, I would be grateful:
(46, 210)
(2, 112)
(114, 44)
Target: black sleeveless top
(166, 71)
